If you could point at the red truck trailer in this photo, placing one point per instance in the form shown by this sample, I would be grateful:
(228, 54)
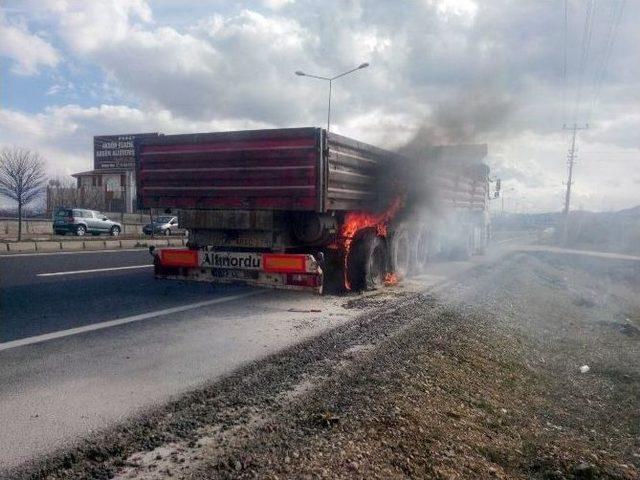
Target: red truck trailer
(304, 209)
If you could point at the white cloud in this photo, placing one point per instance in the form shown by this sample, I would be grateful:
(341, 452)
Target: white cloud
(276, 4)
(457, 8)
(459, 70)
(222, 66)
(27, 50)
(90, 26)
(64, 135)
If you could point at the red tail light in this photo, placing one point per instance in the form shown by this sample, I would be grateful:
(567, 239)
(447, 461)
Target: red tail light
(276, 262)
(174, 257)
(70, 220)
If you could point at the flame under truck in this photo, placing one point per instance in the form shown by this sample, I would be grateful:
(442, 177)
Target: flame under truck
(304, 209)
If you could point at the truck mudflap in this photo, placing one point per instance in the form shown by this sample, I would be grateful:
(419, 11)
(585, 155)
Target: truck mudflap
(274, 270)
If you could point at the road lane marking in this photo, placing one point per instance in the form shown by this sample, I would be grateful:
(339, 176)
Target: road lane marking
(121, 321)
(512, 239)
(93, 270)
(43, 254)
(571, 251)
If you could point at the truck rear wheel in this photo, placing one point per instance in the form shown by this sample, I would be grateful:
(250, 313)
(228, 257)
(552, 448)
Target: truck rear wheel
(401, 252)
(367, 262)
(422, 250)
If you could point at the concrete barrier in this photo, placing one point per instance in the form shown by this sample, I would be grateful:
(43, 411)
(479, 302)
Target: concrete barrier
(22, 247)
(129, 243)
(72, 246)
(9, 227)
(157, 242)
(48, 246)
(32, 228)
(91, 245)
(94, 245)
(132, 229)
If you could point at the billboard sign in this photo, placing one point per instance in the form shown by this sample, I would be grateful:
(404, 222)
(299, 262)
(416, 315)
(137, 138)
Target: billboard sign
(116, 151)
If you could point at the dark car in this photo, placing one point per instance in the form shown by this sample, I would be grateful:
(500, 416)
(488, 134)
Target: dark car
(163, 225)
(81, 221)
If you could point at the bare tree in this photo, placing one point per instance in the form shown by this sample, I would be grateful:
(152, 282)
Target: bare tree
(22, 178)
(62, 192)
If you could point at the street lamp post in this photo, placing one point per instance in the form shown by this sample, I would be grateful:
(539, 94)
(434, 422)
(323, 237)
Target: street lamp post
(330, 80)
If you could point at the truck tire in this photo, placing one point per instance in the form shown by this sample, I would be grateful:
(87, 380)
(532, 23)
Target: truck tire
(402, 248)
(367, 262)
(422, 250)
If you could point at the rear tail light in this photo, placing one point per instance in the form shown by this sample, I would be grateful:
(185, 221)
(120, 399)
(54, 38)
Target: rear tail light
(70, 220)
(303, 280)
(178, 258)
(284, 263)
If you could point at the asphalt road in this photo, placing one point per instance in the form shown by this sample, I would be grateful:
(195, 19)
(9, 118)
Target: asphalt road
(43, 293)
(88, 339)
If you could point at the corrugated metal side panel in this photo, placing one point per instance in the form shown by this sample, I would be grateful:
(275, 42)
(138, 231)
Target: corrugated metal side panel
(353, 171)
(259, 169)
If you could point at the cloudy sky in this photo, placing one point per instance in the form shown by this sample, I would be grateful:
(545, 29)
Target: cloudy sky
(448, 71)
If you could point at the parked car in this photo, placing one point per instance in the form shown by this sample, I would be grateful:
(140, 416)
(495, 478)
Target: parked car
(163, 225)
(81, 222)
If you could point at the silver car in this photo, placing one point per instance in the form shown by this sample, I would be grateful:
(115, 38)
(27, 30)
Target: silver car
(164, 225)
(81, 221)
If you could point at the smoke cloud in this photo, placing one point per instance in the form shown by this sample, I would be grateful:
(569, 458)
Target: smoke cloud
(467, 118)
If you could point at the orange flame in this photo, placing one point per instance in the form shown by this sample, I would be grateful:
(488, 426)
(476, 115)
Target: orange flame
(391, 278)
(356, 221)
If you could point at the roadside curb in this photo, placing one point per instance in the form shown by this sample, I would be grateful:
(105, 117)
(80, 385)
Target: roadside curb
(81, 245)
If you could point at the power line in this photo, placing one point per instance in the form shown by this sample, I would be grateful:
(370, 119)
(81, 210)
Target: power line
(566, 30)
(613, 25)
(565, 83)
(587, 34)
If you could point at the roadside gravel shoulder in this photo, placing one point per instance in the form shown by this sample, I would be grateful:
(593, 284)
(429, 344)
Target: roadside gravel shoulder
(478, 380)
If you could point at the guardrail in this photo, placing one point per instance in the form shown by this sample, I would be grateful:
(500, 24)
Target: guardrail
(81, 245)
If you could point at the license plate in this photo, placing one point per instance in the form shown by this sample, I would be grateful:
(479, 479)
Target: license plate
(238, 274)
(232, 260)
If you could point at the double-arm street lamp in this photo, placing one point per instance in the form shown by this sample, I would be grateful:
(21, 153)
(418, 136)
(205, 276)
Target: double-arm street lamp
(330, 80)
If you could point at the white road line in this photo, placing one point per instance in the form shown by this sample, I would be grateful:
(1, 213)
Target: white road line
(93, 270)
(512, 239)
(43, 254)
(120, 321)
(571, 251)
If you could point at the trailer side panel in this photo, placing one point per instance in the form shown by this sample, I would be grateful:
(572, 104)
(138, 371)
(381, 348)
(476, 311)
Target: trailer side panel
(259, 169)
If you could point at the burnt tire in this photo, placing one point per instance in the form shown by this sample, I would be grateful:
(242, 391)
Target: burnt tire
(401, 252)
(423, 252)
(367, 262)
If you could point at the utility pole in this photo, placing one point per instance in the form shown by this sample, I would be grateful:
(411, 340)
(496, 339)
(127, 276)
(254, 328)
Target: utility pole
(571, 158)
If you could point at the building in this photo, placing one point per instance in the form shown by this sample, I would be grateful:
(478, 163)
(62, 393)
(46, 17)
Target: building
(111, 185)
(109, 189)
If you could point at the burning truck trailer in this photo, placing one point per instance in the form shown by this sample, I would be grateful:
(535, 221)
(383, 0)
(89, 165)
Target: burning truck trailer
(305, 209)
